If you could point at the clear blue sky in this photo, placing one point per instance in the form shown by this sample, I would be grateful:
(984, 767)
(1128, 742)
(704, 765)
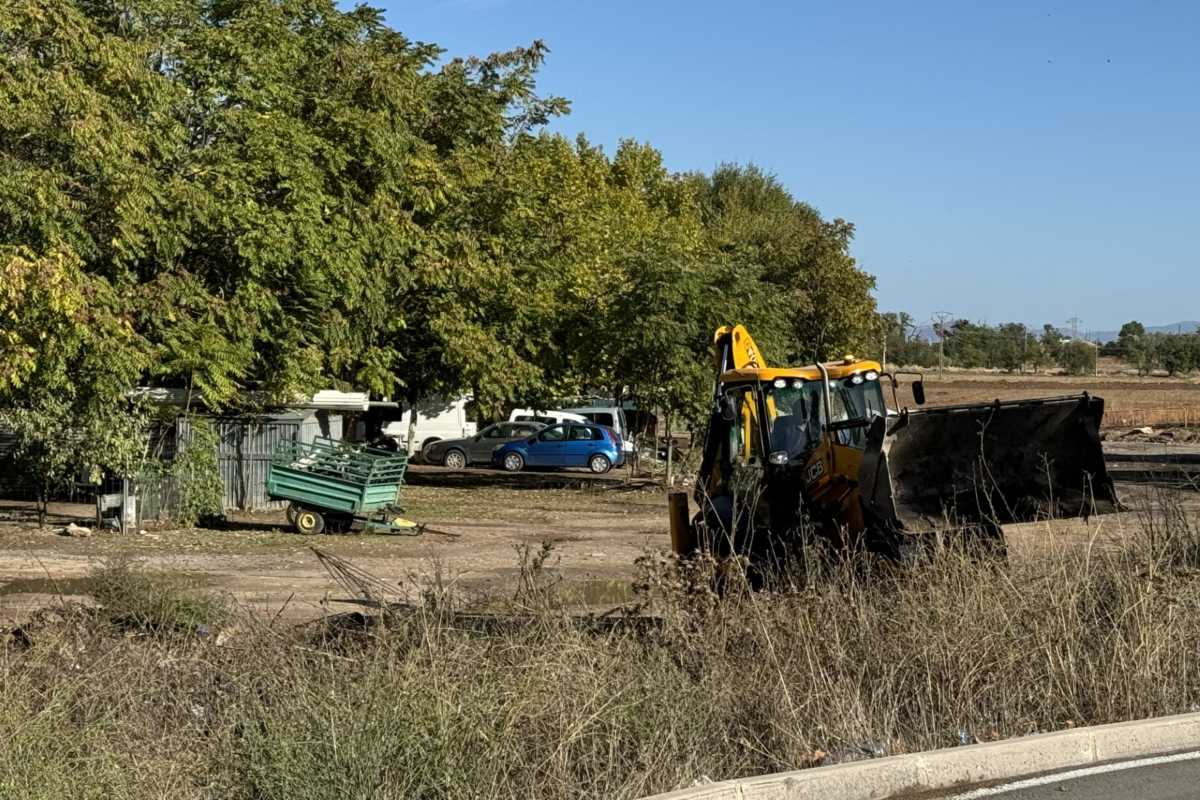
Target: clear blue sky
(1001, 160)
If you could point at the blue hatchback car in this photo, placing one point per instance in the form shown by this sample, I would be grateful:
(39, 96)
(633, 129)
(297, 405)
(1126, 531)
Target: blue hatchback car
(571, 444)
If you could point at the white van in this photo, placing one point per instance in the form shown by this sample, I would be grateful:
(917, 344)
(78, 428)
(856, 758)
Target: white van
(612, 416)
(545, 417)
(437, 419)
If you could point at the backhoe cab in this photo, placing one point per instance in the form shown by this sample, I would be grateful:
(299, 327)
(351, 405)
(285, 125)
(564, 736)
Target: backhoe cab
(816, 448)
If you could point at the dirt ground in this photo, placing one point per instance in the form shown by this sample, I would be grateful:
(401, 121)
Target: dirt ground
(1129, 401)
(597, 536)
(597, 532)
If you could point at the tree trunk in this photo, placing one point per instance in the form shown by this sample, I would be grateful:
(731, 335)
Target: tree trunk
(670, 450)
(412, 430)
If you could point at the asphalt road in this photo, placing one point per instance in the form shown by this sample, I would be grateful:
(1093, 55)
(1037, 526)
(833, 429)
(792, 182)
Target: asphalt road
(1163, 778)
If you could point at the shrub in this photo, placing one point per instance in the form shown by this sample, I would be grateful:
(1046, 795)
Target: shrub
(197, 475)
(154, 602)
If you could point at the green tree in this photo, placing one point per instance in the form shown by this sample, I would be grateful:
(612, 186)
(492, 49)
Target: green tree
(755, 225)
(282, 196)
(1175, 353)
(1077, 357)
(1136, 347)
(67, 358)
(1011, 346)
(278, 185)
(1052, 344)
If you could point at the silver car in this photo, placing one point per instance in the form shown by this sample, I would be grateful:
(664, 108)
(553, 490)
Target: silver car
(477, 449)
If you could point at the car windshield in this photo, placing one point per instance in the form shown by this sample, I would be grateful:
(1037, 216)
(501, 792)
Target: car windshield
(795, 411)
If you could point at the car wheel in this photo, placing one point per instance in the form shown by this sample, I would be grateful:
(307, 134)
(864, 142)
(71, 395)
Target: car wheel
(309, 522)
(513, 462)
(599, 464)
(424, 447)
(455, 459)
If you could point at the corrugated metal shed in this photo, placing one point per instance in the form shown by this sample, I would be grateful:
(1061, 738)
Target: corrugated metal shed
(247, 443)
(246, 447)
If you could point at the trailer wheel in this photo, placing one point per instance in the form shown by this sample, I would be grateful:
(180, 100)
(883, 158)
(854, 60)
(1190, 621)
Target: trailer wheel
(309, 522)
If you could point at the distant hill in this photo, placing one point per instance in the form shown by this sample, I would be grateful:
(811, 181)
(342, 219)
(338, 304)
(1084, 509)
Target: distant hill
(926, 331)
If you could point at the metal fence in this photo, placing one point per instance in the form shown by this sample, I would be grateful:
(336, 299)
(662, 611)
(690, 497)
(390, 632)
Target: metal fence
(246, 445)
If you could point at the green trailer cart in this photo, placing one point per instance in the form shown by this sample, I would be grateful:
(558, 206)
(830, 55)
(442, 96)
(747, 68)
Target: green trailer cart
(339, 487)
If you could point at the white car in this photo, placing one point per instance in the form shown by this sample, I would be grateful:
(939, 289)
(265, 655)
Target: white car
(544, 417)
(610, 416)
(437, 419)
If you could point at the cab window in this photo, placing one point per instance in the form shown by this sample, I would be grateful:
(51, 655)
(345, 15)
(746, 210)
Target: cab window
(795, 410)
(862, 400)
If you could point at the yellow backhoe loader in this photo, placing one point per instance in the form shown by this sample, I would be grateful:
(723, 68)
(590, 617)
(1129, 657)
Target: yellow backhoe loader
(789, 451)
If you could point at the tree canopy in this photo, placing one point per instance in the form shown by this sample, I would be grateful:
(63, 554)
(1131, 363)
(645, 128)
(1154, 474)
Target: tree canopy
(279, 195)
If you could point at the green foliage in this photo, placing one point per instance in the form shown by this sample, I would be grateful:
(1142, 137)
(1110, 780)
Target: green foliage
(1177, 353)
(283, 196)
(197, 474)
(806, 292)
(52, 751)
(1078, 357)
(67, 356)
(150, 602)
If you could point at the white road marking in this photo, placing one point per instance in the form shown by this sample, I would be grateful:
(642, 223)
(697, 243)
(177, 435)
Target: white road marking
(1084, 772)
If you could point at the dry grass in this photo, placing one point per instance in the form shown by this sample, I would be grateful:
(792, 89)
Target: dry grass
(862, 660)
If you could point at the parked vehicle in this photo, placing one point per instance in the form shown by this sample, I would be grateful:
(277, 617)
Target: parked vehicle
(609, 416)
(338, 486)
(544, 417)
(573, 444)
(816, 444)
(437, 419)
(477, 449)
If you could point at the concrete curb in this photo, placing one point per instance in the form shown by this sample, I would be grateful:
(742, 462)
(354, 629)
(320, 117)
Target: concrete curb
(933, 770)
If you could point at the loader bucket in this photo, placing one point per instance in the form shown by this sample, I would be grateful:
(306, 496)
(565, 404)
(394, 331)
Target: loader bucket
(993, 464)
